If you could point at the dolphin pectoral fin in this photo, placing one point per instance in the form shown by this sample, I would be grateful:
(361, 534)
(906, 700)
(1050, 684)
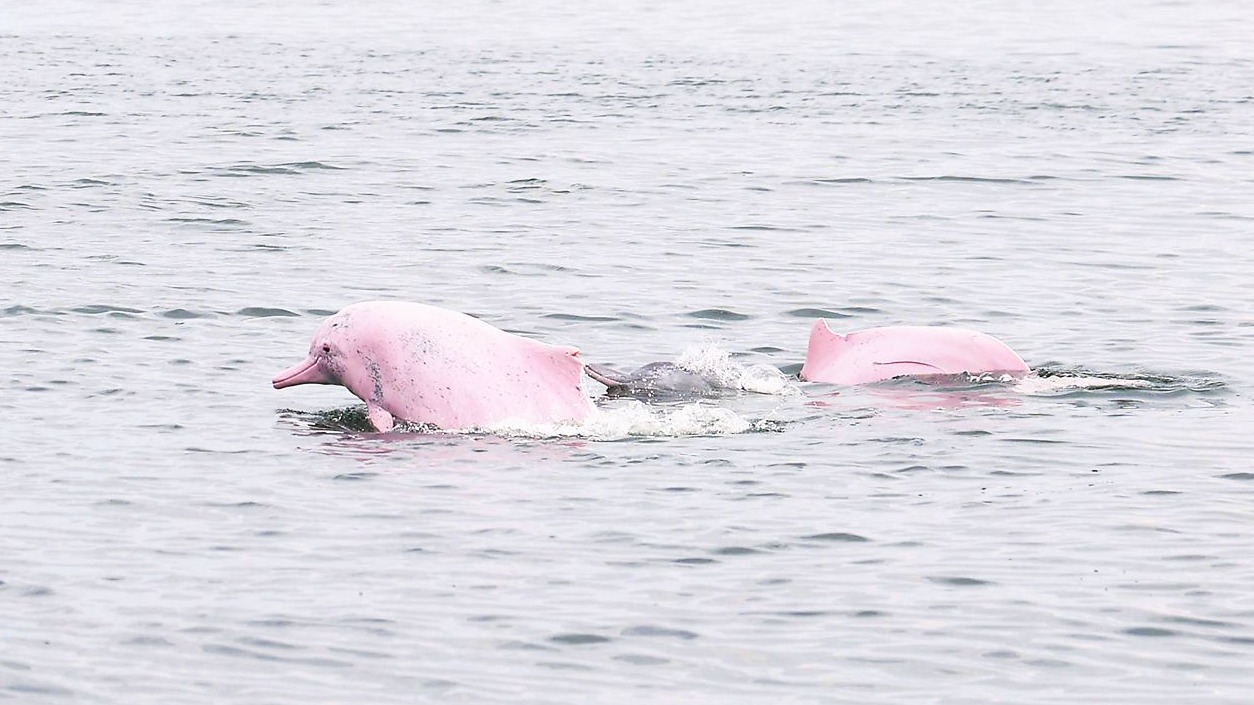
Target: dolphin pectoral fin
(605, 375)
(380, 418)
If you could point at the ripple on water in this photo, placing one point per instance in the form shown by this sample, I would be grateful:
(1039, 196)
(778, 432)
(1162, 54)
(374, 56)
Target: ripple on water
(958, 581)
(579, 639)
(211, 223)
(648, 630)
(1155, 632)
(1070, 381)
(182, 314)
(94, 309)
(642, 659)
(264, 312)
(30, 688)
(736, 551)
(836, 536)
(283, 169)
(812, 313)
(19, 310)
(581, 318)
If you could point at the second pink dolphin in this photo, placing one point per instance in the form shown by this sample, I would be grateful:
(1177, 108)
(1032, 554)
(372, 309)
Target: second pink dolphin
(878, 354)
(425, 364)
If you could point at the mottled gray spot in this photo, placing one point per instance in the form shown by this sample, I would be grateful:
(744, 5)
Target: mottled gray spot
(376, 378)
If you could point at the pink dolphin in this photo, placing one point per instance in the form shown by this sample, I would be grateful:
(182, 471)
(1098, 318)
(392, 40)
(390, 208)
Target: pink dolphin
(877, 354)
(425, 364)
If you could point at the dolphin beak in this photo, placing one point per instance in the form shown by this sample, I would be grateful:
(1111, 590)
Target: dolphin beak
(307, 372)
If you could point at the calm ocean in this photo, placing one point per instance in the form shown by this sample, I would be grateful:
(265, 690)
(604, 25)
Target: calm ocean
(189, 187)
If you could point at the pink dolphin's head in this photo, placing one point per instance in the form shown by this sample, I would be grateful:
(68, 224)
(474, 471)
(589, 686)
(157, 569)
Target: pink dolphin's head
(425, 364)
(325, 364)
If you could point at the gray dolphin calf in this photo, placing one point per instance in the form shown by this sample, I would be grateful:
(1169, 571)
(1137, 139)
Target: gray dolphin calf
(656, 381)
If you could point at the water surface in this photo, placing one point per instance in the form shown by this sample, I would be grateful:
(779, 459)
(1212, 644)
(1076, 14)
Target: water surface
(188, 189)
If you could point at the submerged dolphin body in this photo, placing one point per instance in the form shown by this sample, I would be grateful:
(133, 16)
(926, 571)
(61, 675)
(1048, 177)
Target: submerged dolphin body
(425, 364)
(656, 380)
(878, 354)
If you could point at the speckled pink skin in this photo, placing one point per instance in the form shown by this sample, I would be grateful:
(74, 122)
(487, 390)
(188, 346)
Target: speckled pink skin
(878, 354)
(425, 364)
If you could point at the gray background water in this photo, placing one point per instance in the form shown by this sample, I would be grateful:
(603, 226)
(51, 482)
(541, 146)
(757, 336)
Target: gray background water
(186, 189)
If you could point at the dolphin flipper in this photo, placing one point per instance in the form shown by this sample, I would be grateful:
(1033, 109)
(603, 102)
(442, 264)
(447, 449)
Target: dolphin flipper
(380, 418)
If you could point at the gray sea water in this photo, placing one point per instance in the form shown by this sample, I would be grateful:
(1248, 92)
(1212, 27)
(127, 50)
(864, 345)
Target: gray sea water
(187, 188)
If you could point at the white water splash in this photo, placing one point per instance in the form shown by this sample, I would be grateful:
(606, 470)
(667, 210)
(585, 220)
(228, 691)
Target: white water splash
(1035, 385)
(716, 365)
(633, 419)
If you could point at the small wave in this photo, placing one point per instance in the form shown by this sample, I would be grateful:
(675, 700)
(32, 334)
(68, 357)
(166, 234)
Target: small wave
(254, 170)
(313, 165)
(182, 314)
(263, 312)
(763, 228)
(1052, 380)
(630, 419)
(89, 183)
(94, 309)
(226, 222)
(841, 180)
(1033, 385)
(580, 319)
(20, 310)
(350, 419)
(953, 178)
(719, 314)
(526, 184)
(816, 313)
(288, 169)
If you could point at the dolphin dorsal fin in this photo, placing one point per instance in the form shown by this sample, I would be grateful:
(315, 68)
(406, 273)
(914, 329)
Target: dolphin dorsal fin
(823, 334)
